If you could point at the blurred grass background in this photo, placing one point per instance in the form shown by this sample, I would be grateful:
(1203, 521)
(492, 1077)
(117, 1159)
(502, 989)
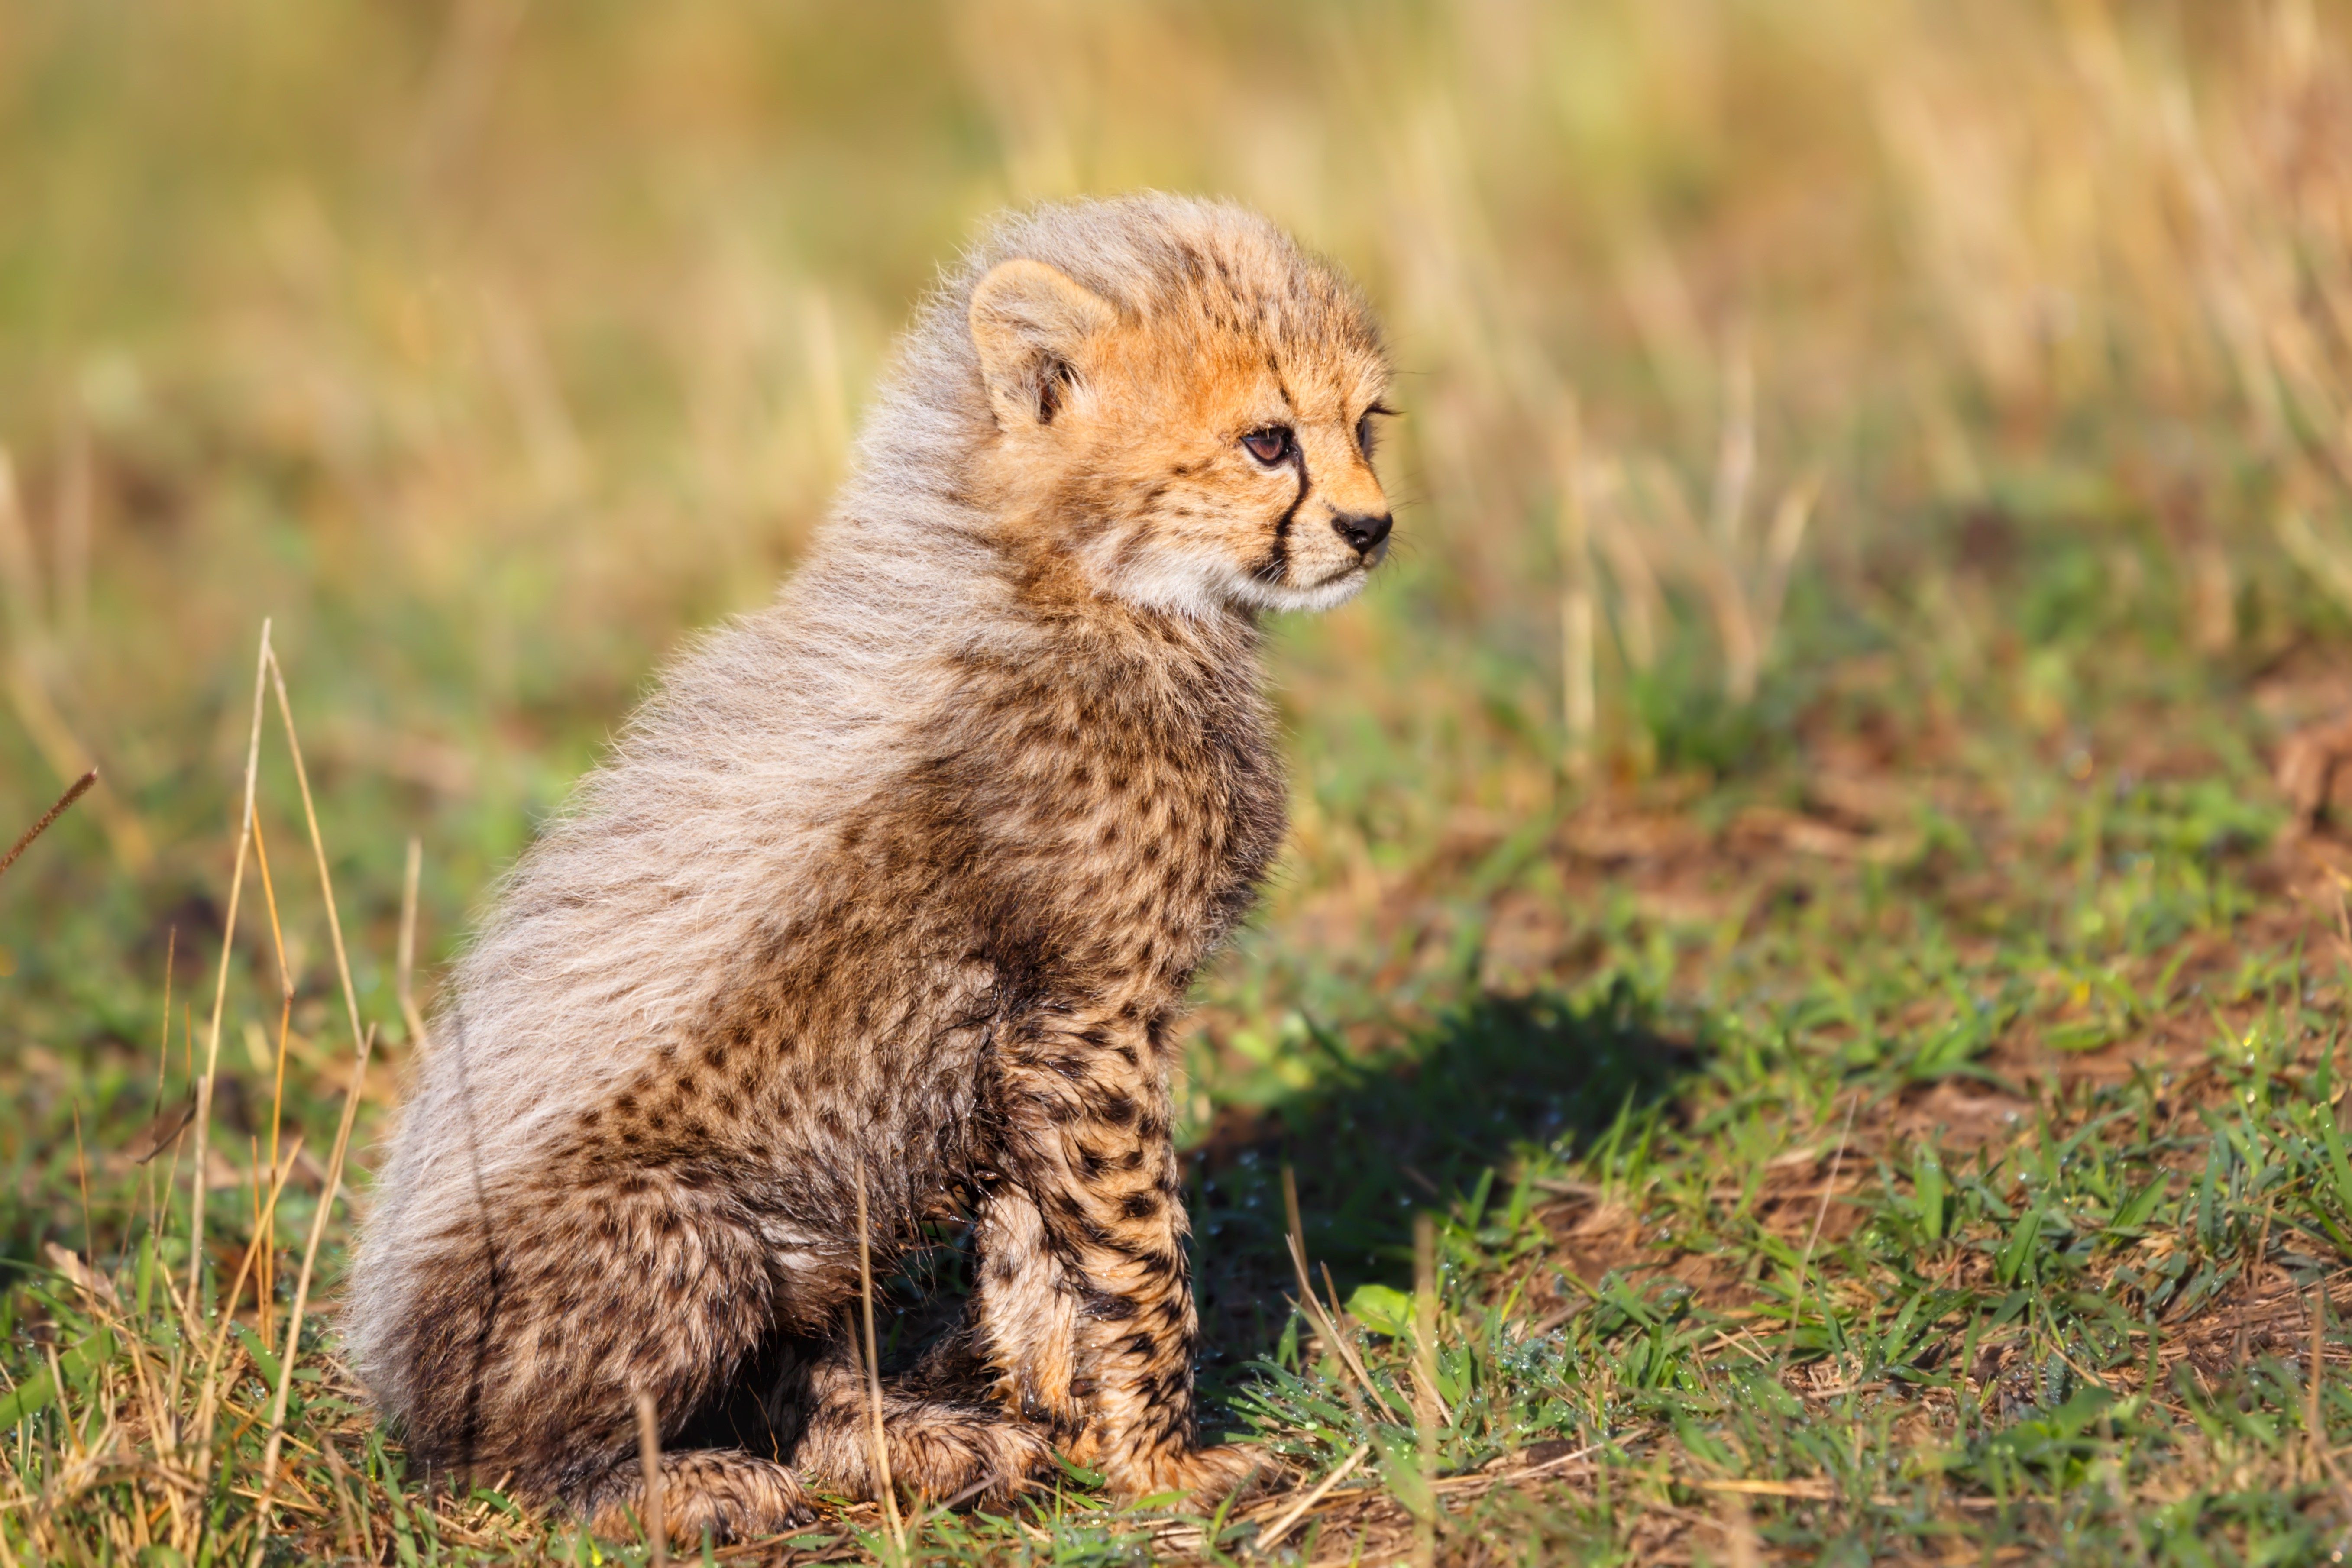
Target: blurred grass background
(492, 348)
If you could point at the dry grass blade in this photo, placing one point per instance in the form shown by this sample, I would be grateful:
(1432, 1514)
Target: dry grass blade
(1741, 1549)
(1735, 465)
(220, 985)
(19, 578)
(404, 961)
(95, 1287)
(1638, 606)
(278, 1073)
(1325, 1325)
(1829, 1188)
(74, 792)
(1837, 1162)
(1708, 565)
(363, 1041)
(269, 900)
(1271, 1537)
(1428, 1408)
(27, 666)
(1579, 703)
(2315, 1416)
(650, 1478)
(882, 1479)
(163, 1130)
(1781, 545)
(1424, 1327)
(318, 849)
(328, 1189)
(206, 1402)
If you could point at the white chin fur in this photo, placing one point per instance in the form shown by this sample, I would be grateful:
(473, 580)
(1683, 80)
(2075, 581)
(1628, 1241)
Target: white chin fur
(1330, 593)
(1203, 588)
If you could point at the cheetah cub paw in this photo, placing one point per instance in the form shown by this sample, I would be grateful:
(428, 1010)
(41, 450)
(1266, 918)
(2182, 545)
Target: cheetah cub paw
(1206, 1475)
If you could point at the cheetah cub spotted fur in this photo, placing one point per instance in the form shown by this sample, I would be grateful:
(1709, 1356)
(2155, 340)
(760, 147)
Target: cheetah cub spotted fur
(903, 880)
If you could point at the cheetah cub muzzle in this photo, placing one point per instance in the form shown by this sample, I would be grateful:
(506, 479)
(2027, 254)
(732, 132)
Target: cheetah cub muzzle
(901, 879)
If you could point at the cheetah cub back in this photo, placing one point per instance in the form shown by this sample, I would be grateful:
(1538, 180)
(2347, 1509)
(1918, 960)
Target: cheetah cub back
(901, 881)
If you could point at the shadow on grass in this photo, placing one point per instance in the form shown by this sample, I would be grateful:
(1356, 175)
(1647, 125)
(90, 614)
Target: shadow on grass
(1375, 1137)
(1418, 1127)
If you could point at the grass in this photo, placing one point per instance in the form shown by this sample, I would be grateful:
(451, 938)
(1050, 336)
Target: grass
(1795, 1022)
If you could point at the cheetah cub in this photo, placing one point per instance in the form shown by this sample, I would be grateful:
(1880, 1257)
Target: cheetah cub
(901, 881)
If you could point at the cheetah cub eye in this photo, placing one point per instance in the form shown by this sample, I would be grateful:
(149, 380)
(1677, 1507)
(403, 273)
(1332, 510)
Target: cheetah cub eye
(1271, 446)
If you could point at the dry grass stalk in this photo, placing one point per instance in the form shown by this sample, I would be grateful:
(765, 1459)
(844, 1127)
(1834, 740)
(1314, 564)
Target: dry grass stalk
(1579, 700)
(363, 1041)
(2314, 1419)
(650, 1483)
(318, 850)
(1829, 1189)
(1272, 1535)
(74, 792)
(19, 578)
(1781, 545)
(65, 751)
(265, 1224)
(1744, 585)
(207, 1402)
(1735, 462)
(1429, 1405)
(1741, 1549)
(883, 1482)
(404, 963)
(28, 688)
(1708, 567)
(1326, 1324)
(1424, 1321)
(220, 986)
(269, 902)
(327, 1190)
(1639, 602)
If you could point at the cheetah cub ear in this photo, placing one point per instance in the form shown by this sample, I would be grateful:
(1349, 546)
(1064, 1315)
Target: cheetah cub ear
(1030, 323)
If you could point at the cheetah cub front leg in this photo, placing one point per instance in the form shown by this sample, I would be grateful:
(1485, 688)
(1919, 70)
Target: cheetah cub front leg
(1084, 1302)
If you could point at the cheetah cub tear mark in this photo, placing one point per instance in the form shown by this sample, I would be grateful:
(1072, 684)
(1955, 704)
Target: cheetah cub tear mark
(911, 868)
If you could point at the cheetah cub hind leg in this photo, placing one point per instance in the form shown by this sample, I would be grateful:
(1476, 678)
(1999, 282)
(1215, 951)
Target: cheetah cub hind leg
(724, 1492)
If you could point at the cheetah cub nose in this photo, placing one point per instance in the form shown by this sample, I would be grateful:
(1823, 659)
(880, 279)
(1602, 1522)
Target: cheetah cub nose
(1364, 534)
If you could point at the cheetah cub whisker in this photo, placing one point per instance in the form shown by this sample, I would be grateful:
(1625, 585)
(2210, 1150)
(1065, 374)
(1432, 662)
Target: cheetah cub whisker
(912, 868)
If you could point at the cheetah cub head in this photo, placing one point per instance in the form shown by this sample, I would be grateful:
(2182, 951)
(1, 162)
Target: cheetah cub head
(1184, 407)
